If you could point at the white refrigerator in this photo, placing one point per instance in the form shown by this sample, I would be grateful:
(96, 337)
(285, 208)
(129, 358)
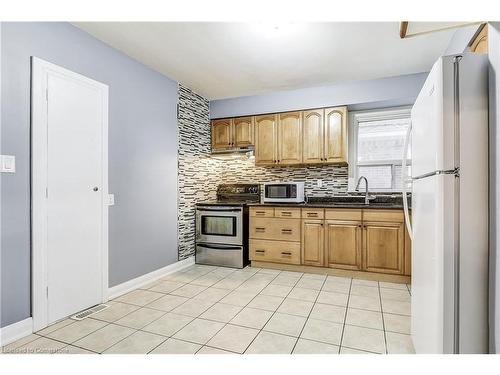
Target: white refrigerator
(449, 213)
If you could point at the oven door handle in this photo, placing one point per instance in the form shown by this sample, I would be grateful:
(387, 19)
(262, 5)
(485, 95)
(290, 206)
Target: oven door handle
(219, 209)
(219, 247)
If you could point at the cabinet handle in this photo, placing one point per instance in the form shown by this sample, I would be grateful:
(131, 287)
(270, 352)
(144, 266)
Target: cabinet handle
(260, 251)
(286, 253)
(312, 214)
(287, 231)
(283, 213)
(260, 229)
(359, 226)
(260, 212)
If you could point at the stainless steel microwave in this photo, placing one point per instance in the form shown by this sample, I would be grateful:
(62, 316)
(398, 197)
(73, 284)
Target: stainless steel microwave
(285, 192)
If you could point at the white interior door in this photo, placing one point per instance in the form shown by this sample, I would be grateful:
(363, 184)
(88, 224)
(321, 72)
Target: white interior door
(70, 159)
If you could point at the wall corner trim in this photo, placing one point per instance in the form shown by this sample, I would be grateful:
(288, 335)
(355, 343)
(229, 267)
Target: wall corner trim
(16, 331)
(130, 285)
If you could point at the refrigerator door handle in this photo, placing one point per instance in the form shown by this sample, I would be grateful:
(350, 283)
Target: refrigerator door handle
(405, 180)
(455, 172)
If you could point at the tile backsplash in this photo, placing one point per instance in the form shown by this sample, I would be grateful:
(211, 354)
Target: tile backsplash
(198, 175)
(243, 170)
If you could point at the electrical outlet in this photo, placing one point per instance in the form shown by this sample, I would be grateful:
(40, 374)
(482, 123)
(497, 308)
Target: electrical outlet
(319, 183)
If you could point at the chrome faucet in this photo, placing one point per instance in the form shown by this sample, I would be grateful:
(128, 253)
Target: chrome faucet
(367, 197)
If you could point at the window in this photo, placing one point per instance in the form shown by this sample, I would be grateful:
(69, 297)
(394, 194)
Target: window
(376, 144)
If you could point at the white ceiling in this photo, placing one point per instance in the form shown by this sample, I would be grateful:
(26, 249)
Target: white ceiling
(220, 60)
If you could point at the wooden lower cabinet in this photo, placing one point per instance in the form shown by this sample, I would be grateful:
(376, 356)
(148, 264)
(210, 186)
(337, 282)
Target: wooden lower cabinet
(407, 253)
(313, 237)
(383, 247)
(277, 229)
(372, 240)
(343, 244)
(275, 251)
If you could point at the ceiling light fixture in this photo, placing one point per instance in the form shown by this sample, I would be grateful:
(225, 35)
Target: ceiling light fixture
(272, 29)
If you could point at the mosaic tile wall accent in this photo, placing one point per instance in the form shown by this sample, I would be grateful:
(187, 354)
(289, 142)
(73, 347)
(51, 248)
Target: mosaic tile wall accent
(198, 174)
(243, 169)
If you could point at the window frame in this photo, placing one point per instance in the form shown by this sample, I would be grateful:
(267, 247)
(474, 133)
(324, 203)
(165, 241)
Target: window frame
(372, 115)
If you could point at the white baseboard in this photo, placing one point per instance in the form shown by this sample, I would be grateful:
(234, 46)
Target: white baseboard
(130, 285)
(16, 331)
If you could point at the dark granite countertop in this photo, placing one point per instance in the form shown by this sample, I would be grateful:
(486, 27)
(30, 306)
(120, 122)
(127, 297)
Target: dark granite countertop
(380, 201)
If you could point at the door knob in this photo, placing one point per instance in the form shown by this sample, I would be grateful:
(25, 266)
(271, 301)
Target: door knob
(95, 188)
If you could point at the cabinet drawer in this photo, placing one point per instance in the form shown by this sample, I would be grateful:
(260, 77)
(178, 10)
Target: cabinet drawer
(262, 211)
(292, 213)
(343, 214)
(275, 251)
(275, 229)
(312, 213)
(394, 216)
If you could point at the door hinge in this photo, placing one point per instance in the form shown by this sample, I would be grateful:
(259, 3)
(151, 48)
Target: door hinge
(46, 192)
(47, 292)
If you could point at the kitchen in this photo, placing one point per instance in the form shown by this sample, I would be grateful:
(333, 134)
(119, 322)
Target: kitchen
(350, 217)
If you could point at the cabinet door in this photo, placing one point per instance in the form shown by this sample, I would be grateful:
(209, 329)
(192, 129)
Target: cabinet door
(265, 139)
(383, 247)
(480, 43)
(290, 138)
(221, 133)
(313, 234)
(407, 262)
(343, 244)
(336, 135)
(312, 136)
(243, 131)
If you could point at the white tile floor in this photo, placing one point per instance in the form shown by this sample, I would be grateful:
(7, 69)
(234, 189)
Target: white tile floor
(204, 309)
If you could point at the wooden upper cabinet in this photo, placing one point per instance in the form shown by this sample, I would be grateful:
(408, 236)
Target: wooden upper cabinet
(383, 247)
(480, 42)
(243, 131)
(290, 138)
(265, 139)
(312, 136)
(335, 145)
(316, 136)
(221, 133)
(343, 244)
(313, 235)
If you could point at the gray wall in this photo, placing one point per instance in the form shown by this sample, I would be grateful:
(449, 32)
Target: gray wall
(494, 80)
(384, 92)
(142, 155)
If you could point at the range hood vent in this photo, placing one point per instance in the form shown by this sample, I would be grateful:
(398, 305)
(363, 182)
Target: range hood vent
(233, 150)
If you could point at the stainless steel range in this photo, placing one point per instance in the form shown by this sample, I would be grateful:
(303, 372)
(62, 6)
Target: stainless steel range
(222, 226)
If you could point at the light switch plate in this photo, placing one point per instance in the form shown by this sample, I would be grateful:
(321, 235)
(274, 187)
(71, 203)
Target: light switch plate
(8, 164)
(111, 199)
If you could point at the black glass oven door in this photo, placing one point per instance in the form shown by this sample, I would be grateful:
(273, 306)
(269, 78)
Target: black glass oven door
(218, 226)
